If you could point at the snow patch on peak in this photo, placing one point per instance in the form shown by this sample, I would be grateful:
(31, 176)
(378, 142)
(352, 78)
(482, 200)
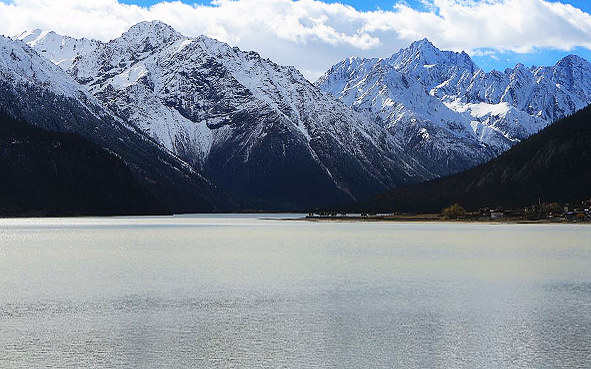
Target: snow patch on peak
(31, 37)
(22, 66)
(183, 44)
(129, 77)
(19, 63)
(61, 50)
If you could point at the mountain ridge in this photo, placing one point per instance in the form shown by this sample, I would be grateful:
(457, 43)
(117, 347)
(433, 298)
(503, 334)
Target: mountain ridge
(258, 129)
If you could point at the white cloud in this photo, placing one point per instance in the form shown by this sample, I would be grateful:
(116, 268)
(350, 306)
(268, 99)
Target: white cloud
(313, 35)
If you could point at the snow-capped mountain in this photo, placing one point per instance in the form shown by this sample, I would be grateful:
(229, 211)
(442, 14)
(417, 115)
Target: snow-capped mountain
(38, 92)
(260, 130)
(450, 114)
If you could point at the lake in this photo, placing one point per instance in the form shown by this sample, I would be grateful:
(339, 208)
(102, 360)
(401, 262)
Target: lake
(239, 291)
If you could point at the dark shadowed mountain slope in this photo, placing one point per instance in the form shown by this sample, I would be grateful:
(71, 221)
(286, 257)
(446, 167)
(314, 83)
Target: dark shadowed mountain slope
(553, 165)
(50, 173)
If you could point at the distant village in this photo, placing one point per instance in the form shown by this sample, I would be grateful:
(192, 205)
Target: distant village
(541, 212)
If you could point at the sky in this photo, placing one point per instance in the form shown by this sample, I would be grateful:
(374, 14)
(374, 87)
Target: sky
(313, 35)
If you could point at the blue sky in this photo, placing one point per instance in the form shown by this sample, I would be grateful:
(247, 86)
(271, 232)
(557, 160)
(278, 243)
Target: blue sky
(544, 57)
(358, 4)
(365, 5)
(312, 36)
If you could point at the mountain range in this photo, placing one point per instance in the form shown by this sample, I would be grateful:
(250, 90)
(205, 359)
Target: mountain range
(261, 131)
(447, 112)
(207, 127)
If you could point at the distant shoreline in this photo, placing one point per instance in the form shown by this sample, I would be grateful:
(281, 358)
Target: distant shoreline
(353, 218)
(432, 218)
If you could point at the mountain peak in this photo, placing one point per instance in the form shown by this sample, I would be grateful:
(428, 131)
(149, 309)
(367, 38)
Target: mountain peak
(29, 36)
(572, 59)
(34, 33)
(151, 33)
(150, 25)
(421, 48)
(423, 52)
(422, 44)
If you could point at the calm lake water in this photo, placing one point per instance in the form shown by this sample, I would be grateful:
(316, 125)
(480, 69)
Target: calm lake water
(242, 292)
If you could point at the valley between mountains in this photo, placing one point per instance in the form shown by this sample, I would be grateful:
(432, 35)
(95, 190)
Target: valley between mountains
(203, 126)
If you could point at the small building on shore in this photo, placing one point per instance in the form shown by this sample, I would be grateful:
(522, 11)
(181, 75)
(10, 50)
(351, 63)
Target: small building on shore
(496, 214)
